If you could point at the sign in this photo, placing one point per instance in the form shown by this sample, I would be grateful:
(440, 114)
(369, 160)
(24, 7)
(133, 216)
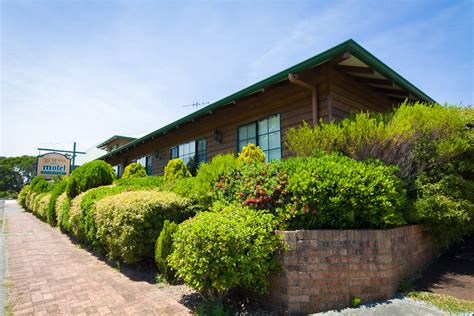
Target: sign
(51, 165)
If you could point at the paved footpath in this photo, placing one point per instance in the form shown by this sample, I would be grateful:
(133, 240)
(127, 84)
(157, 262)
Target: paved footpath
(49, 275)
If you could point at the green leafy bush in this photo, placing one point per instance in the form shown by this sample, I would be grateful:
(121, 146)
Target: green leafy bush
(175, 170)
(355, 301)
(23, 194)
(445, 204)
(251, 154)
(40, 205)
(218, 251)
(414, 137)
(198, 189)
(62, 207)
(39, 185)
(76, 218)
(83, 213)
(334, 191)
(129, 223)
(30, 199)
(164, 246)
(260, 186)
(134, 170)
(58, 189)
(90, 175)
(9, 194)
(149, 182)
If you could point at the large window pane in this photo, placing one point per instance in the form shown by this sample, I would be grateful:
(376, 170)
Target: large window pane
(274, 154)
(274, 123)
(251, 130)
(243, 132)
(274, 140)
(263, 127)
(263, 142)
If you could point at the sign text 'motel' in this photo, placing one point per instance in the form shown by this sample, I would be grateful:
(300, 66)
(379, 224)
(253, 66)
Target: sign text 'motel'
(51, 165)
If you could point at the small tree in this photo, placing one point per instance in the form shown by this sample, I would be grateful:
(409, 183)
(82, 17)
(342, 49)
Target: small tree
(134, 170)
(164, 247)
(175, 170)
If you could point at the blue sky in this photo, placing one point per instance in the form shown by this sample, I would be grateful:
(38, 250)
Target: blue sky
(86, 70)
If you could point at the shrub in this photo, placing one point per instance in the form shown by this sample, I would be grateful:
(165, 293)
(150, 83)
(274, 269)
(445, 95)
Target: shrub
(355, 301)
(198, 189)
(260, 186)
(149, 182)
(39, 185)
(9, 194)
(445, 206)
(41, 205)
(175, 170)
(218, 251)
(415, 137)
(76, 218)
(62, 207)
(129, 223)
(334, 191)
(164, 246)
(90, 175)
(23, 194)
(30, 201)
(58, 189)
(134, 170)
(251, 154)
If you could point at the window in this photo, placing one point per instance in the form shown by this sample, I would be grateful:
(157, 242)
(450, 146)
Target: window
(193, 151)
(118, 170)
(146, 163)
(265, 133)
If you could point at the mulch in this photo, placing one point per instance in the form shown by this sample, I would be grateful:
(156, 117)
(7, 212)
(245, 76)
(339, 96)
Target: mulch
(452, 273)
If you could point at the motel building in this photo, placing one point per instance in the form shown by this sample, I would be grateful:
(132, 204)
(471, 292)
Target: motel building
(329, 86)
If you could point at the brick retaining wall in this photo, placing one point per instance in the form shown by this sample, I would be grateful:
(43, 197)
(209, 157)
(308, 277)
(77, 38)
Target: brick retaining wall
(323, 268)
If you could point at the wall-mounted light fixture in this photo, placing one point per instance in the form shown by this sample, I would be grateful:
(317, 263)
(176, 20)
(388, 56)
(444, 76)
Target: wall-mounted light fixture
(157, 154)
(217, 135)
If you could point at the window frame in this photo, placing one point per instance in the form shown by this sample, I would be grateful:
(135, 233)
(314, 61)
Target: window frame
(256, 132)
(196, 149)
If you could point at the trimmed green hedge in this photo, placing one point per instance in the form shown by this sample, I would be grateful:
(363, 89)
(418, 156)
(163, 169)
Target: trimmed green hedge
(90, 175)
(129, 223)
(61, 208)
(215, 252)
(334, 191)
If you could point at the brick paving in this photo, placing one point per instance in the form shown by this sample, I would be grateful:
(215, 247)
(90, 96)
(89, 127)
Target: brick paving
(50, 275)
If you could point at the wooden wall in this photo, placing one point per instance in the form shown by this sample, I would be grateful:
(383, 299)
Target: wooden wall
(338, 95)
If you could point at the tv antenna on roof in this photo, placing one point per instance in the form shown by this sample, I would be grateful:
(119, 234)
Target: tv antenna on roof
(196, 105)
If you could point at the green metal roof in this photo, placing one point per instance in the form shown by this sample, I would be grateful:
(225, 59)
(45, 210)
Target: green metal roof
(105, 142)
(350, 45)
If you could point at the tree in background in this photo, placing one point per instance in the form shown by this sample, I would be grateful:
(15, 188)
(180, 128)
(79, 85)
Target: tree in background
(15, 172)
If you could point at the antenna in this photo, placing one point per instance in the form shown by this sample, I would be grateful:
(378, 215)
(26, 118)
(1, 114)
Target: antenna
(195, 104)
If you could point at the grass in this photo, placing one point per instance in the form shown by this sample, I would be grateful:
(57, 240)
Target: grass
(160, 281)
(7, 309)
(7, 284)
(444, 302)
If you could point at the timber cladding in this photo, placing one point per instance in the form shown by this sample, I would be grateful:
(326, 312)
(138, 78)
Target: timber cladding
(338, 96)
(323, 268)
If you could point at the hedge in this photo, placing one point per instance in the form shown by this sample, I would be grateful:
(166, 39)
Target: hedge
(215, 252)
(90, 175)
(129, 223)
(61, 208)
